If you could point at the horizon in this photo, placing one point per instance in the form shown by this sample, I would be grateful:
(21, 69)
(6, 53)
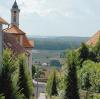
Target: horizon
(56, 18)
(54, 36)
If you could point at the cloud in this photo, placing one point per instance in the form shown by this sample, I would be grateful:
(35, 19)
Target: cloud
(52, 7)
(66, 8)
(56, 16)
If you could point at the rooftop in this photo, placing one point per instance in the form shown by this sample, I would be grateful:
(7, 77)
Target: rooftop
(15, 5)
(27, 43)
(2, 21)
(11, 43)
(14, 30)
(94, 39)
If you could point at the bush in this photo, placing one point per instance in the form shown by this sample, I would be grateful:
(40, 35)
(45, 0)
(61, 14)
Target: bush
(93, 70)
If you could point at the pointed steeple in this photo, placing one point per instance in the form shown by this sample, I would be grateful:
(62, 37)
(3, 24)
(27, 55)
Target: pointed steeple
(15, 5)
(15, 14)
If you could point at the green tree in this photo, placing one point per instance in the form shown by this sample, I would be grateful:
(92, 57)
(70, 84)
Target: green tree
(71, 86)
(52, 84)
(8, 77)
(96, 51)
(33, 71)
(89, 76)
(84, 52)
(25, 79)
(86, 81)
(38, 72)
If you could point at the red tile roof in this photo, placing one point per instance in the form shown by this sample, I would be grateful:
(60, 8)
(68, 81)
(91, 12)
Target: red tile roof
(11, 43)
(2, 21)
(94, 39)
(27, 43)
(14, 30)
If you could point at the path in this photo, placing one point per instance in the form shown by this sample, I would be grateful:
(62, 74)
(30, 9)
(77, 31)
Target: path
(41, 89)
(42, 96)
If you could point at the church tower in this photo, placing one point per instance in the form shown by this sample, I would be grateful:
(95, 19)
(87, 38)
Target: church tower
(15, 14)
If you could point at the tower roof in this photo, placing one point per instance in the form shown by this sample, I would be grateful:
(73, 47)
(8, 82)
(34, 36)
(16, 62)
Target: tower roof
(15, 5)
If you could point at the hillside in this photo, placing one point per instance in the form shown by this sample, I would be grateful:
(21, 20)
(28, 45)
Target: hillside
(57, 43)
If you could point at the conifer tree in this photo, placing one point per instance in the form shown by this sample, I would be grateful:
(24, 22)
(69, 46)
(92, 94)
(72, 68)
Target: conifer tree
(96, 50)
(25, 79)
(8, 77)
(71, 86)
(52, 85)
(84, 52)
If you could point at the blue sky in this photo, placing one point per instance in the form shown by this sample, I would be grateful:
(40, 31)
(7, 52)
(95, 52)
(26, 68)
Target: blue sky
(56, 17)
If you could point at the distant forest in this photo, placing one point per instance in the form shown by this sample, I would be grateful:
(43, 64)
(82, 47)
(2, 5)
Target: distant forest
(58, 43)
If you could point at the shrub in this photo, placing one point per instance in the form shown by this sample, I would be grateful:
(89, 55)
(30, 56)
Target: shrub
(93, 70)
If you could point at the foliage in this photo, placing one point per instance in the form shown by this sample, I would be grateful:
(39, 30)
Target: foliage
(2, 97)
(60, 86)
(96, 51)
(71, 87)
(90, 72)
(84, 52)
(33, 71)
(8, 77)
(38, 71)
(52, 84)
(25, 79)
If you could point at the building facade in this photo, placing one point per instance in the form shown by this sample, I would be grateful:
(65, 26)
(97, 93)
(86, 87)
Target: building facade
(16, 39)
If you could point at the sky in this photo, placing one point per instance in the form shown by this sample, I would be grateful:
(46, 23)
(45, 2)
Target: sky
(55, 17)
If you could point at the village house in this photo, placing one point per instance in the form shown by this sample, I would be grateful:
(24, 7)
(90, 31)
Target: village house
(14, 38)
